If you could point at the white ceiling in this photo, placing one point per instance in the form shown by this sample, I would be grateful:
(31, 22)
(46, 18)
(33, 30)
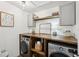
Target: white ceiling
(38, 5)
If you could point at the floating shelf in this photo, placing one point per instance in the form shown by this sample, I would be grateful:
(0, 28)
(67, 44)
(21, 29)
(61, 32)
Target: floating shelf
(44, 18)
(39, 52)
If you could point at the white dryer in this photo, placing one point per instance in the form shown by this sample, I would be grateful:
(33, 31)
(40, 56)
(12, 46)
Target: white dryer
(61, 51)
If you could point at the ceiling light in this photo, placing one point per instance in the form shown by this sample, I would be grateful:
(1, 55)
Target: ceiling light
(26, 4)
(23, 3)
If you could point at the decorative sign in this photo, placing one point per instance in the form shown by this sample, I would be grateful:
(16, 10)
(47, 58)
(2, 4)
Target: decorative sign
(6, 20)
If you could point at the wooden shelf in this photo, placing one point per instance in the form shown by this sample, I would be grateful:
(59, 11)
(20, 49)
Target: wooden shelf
(39, 52)
(44, 18)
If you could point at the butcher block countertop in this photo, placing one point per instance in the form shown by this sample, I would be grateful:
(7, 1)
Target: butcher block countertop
(69, 40)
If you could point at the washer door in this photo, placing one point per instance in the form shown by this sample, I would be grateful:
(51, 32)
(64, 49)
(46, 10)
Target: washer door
(24, 47)
(58, 54)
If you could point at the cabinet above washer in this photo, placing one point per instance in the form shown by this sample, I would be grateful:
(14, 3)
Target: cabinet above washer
(68, 14)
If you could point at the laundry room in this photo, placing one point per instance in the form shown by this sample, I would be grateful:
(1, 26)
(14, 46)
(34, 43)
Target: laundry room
(39, 28)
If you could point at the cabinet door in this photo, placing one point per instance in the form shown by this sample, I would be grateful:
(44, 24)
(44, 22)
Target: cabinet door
(67, 14)
(30, 21)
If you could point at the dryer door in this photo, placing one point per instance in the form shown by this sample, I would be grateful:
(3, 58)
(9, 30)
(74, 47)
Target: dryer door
(58, 54)
(24, 47)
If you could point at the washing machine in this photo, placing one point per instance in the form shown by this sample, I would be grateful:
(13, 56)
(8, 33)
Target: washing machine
(25, 46)
(55, 50)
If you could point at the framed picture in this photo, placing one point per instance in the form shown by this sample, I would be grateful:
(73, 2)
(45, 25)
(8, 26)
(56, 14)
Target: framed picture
(6, 19)
(45, 28)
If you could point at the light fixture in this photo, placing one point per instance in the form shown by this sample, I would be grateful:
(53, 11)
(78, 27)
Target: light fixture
(23, 3)
(26, 4)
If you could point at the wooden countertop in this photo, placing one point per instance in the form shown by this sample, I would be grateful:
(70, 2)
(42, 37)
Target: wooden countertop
(69, 40)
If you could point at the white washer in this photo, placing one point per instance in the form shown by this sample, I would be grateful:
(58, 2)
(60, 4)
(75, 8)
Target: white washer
(53, 48)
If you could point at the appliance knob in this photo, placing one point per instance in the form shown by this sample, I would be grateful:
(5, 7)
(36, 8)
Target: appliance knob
(61, 49)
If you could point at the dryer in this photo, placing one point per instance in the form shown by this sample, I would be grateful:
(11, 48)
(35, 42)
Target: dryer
(55, 50)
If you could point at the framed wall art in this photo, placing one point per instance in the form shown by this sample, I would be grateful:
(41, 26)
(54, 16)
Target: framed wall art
(45, 28)
(6, 19)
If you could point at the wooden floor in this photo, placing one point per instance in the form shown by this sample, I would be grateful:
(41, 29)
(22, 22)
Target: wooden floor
(22, 56)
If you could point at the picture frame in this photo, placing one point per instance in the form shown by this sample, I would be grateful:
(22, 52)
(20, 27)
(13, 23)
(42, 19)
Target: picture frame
(45, 28)
(6, 19)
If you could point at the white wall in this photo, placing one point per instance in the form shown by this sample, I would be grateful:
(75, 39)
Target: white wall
(54, 26)
(47, 12)
(76, 27)
(9, 38)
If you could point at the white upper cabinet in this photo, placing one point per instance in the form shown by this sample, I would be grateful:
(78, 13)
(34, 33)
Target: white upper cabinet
(68, 14)
(30, 21)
